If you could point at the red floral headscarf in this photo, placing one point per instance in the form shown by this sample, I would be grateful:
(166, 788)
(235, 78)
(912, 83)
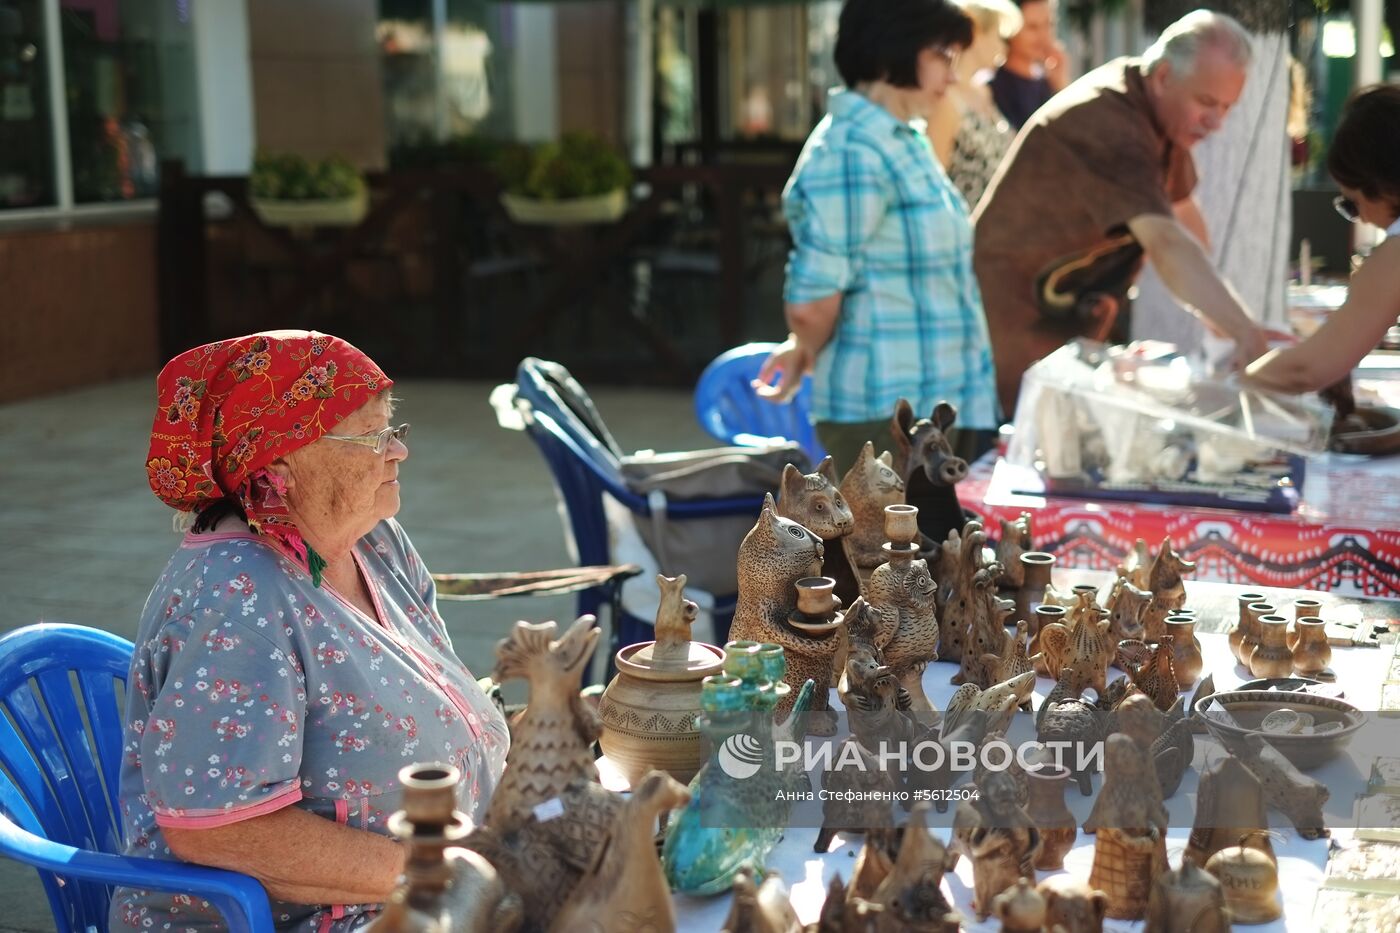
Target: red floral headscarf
(227, 409)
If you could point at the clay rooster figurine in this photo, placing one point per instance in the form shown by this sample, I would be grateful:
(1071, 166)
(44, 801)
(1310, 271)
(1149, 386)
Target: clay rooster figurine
(1167, 588)
(551, 743)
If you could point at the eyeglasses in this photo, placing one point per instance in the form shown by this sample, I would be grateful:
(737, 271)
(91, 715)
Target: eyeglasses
(949, 55)
(1347, 208)
(378, 441)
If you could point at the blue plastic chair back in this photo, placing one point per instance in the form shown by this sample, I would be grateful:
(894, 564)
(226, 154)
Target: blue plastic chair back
(60, 750)
(729, 410)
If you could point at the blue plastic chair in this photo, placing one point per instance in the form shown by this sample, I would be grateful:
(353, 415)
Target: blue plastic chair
(729, 410)
(584, 460)
(58, 786)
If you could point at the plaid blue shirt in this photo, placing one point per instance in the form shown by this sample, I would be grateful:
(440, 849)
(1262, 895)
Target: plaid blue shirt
(874, 217)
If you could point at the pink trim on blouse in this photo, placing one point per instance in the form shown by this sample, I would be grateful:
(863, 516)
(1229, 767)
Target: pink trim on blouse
(193, 540)
(228, 817)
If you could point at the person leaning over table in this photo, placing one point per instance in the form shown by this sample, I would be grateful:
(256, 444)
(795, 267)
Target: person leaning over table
(1099, 179)
(880, 296)
(290, 659)
(1365, 162)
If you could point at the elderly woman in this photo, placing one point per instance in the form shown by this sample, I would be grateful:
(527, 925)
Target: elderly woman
(290, 659)
(969, 133)
(880, 297)
(1365, 162)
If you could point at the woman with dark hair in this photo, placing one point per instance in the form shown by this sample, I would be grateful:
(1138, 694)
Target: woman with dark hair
(1364, 164)
(880, 295)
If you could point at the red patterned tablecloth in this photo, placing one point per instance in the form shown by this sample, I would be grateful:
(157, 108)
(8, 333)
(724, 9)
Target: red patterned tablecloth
(1344, 538)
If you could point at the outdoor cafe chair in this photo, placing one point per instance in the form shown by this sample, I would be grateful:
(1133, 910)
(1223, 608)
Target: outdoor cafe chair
(729, 409)
(60, 757)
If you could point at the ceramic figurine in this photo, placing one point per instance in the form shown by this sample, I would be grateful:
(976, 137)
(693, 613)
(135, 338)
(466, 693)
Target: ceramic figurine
(1013, 660)
(1015, 540)
(1167, 588)
(1045, 615)
(1287, 789)
(1187, 660)
(815, 627)
(986, 633)
(911, 896)
(1065, 716)
(1137, 565)
(551, 743)
(1036, 567)
(1020, 908)
(962, 559)
(1048, 812)
(858, 798)
(873, 865)
(648, 710)
(1126, 605)
(1237, 634)
(869, 486)
(814, 501)
(774, 555)
(1272, 658)
(732, 822)
(903, 591)
(925, 461)
(999, 701)
(996, 834)
(1166, 737)
(1187, 900)
(872, 698)
(1230, 806)
(1083, 647)
(1071, 905)
(761, 908)
(1311, 653)
(1130, 824)
(456, 891)
(1118, 690)
(1250, 881)
(625, 891)
(1157, 677)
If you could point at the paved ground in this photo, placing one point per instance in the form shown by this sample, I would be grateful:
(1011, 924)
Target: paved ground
(85, 538)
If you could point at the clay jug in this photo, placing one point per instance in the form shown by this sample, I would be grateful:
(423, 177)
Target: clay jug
(1238, 632)
(1251, 633)
(1049, 814)
(1250, 880)
(1303, 609)
(1037, 565)
(1272, 658)
(1186, 650)
(1311, 652)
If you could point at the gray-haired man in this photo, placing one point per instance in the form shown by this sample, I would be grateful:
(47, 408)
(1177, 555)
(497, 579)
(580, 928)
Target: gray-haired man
(1101, 177)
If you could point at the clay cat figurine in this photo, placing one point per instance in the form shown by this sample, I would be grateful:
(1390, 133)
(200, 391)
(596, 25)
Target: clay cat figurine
(868, 487)
(775, 554)
(814, 502)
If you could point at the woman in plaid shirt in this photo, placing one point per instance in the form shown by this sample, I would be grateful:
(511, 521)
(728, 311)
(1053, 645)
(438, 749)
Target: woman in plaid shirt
(880, 295)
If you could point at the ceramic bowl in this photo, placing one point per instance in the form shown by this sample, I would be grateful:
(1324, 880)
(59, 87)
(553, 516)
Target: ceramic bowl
(1305, 750)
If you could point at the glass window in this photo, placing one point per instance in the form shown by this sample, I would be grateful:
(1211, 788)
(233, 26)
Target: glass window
(26, 136)
(765, 92)
(129, 67)
(448, 80)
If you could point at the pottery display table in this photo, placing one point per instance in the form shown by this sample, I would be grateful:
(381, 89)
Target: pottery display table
(1344, 538)
(1360, 672)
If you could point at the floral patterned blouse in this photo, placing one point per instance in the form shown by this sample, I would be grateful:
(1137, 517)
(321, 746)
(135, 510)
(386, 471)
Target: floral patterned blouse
(252, 690)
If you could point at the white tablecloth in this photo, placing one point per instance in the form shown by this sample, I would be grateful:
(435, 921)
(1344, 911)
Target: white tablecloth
(1301, 862)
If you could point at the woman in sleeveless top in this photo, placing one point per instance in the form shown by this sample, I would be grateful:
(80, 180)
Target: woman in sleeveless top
(968, 133)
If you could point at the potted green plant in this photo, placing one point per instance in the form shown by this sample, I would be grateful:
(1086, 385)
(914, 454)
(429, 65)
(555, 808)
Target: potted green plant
(578, 180)
(288, 190)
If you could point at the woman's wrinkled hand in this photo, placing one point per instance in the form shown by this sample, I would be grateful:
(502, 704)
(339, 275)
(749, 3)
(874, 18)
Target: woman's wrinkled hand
(790, 362)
